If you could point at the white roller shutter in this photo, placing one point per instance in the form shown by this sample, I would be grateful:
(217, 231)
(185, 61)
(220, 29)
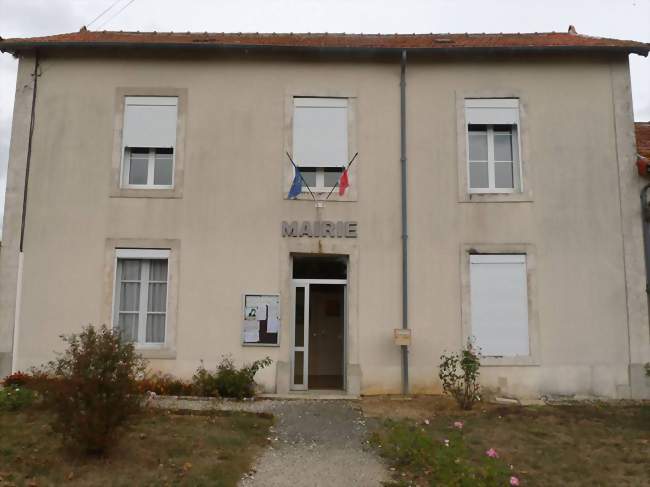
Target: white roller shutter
(320, 132)
(492, 111)
(499, 304)
(150, 121)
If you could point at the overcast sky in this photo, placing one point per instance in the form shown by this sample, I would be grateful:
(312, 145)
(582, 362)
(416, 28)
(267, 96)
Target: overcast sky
(624, 19)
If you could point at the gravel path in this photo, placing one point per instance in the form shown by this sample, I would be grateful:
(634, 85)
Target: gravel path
(316, 443)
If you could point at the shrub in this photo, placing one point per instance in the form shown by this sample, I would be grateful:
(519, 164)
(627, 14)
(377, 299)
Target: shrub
(17, 379)
(228, 380)
(16, 398)
(459, 374)
(205, 382)
(165, 385)
(446, 461)
(93, 389)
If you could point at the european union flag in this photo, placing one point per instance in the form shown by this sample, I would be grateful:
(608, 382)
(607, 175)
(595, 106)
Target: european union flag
(296, 185)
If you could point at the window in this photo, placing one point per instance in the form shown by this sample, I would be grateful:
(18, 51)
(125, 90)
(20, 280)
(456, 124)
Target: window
(499, 304)
(140, 311)
(320, 140)
(149, 141)
(493, 145)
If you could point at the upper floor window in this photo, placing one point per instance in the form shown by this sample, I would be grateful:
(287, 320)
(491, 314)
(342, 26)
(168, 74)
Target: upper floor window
(149, 141)
(493, 145)
(320, 140)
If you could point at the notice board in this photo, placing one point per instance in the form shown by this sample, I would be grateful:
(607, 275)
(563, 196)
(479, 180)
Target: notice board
(261, 319)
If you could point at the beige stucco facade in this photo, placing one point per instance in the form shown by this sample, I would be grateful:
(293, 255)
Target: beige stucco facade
(578, 218)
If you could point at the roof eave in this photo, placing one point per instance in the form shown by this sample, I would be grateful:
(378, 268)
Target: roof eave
(14, 47)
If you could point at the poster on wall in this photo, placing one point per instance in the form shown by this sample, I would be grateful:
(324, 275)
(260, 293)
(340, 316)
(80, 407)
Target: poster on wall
(261, 319)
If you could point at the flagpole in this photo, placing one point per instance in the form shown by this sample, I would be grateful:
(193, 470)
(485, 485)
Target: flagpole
(303, 179)
(337, 181)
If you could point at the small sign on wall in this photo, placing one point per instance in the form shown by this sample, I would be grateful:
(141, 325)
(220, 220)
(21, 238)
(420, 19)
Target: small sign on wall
(261, 319)
(402, 336)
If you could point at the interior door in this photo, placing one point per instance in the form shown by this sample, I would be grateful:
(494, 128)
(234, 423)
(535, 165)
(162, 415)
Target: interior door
(300, 337)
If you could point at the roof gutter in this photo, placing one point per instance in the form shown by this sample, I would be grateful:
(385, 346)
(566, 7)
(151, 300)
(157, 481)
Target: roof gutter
(14, 47)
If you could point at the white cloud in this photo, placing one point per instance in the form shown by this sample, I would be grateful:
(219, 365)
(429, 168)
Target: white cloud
(625, 19)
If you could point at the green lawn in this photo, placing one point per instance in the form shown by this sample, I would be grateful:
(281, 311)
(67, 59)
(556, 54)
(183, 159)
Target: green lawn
(597, 444)
(159, 449)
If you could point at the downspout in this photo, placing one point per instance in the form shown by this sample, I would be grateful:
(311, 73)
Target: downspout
(19, 279)
(645, 215)
(405, 357)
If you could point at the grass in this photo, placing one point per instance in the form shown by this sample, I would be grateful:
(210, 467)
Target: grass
(159, 449)
(597, 444)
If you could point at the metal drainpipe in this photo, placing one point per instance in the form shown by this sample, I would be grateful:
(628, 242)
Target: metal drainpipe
(645, 215)
(405, 357)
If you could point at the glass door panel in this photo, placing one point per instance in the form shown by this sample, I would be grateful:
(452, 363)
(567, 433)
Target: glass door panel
(300, 337)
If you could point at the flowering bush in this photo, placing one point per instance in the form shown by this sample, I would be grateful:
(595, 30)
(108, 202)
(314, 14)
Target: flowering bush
(92, 390)
(17, 379)
(459, 374)
(444, 462)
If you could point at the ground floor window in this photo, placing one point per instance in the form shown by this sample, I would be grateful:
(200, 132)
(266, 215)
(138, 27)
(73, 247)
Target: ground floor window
(140, 308)
(499, 304)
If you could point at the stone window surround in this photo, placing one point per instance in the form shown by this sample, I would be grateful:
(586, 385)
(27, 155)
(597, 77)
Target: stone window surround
(116, 189)
(321, 91)
(531, 276)
(168, 349)
(464, 196)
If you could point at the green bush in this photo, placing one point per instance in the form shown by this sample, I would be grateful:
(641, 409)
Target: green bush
(440, 462)
(459, 374)
(16, 398)
(204, 382)
(228, 380)
(92, 391)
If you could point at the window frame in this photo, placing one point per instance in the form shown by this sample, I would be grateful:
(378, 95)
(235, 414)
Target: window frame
(328, 101)
(320, 186)
(320, 90)
(517, 182)
(126, 152)
(117, 187)
(496, 259)
(151, 167)
(145, 255)
(526, 183)
(466, 250)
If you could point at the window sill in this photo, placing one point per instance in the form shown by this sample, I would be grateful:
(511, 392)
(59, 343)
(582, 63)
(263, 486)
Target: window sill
(156, 353)
(520, 361)
(525, 197)
(146, 193)
(350, 195)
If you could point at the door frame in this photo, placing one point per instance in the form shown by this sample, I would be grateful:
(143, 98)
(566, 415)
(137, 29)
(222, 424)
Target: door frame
(306, 283)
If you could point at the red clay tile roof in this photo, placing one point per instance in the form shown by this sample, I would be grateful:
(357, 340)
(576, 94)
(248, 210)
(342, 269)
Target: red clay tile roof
(547, 41)
(642, 130)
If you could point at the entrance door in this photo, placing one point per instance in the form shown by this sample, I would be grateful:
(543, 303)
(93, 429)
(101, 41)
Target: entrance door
(318, 338)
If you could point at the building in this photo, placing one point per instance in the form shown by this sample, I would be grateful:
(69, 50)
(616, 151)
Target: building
(642, 132)
(494, 194)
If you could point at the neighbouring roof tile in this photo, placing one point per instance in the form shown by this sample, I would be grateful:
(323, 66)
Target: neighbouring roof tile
(642, 130)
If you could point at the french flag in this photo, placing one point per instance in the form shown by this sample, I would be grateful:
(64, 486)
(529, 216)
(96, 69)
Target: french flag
(344, 182)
